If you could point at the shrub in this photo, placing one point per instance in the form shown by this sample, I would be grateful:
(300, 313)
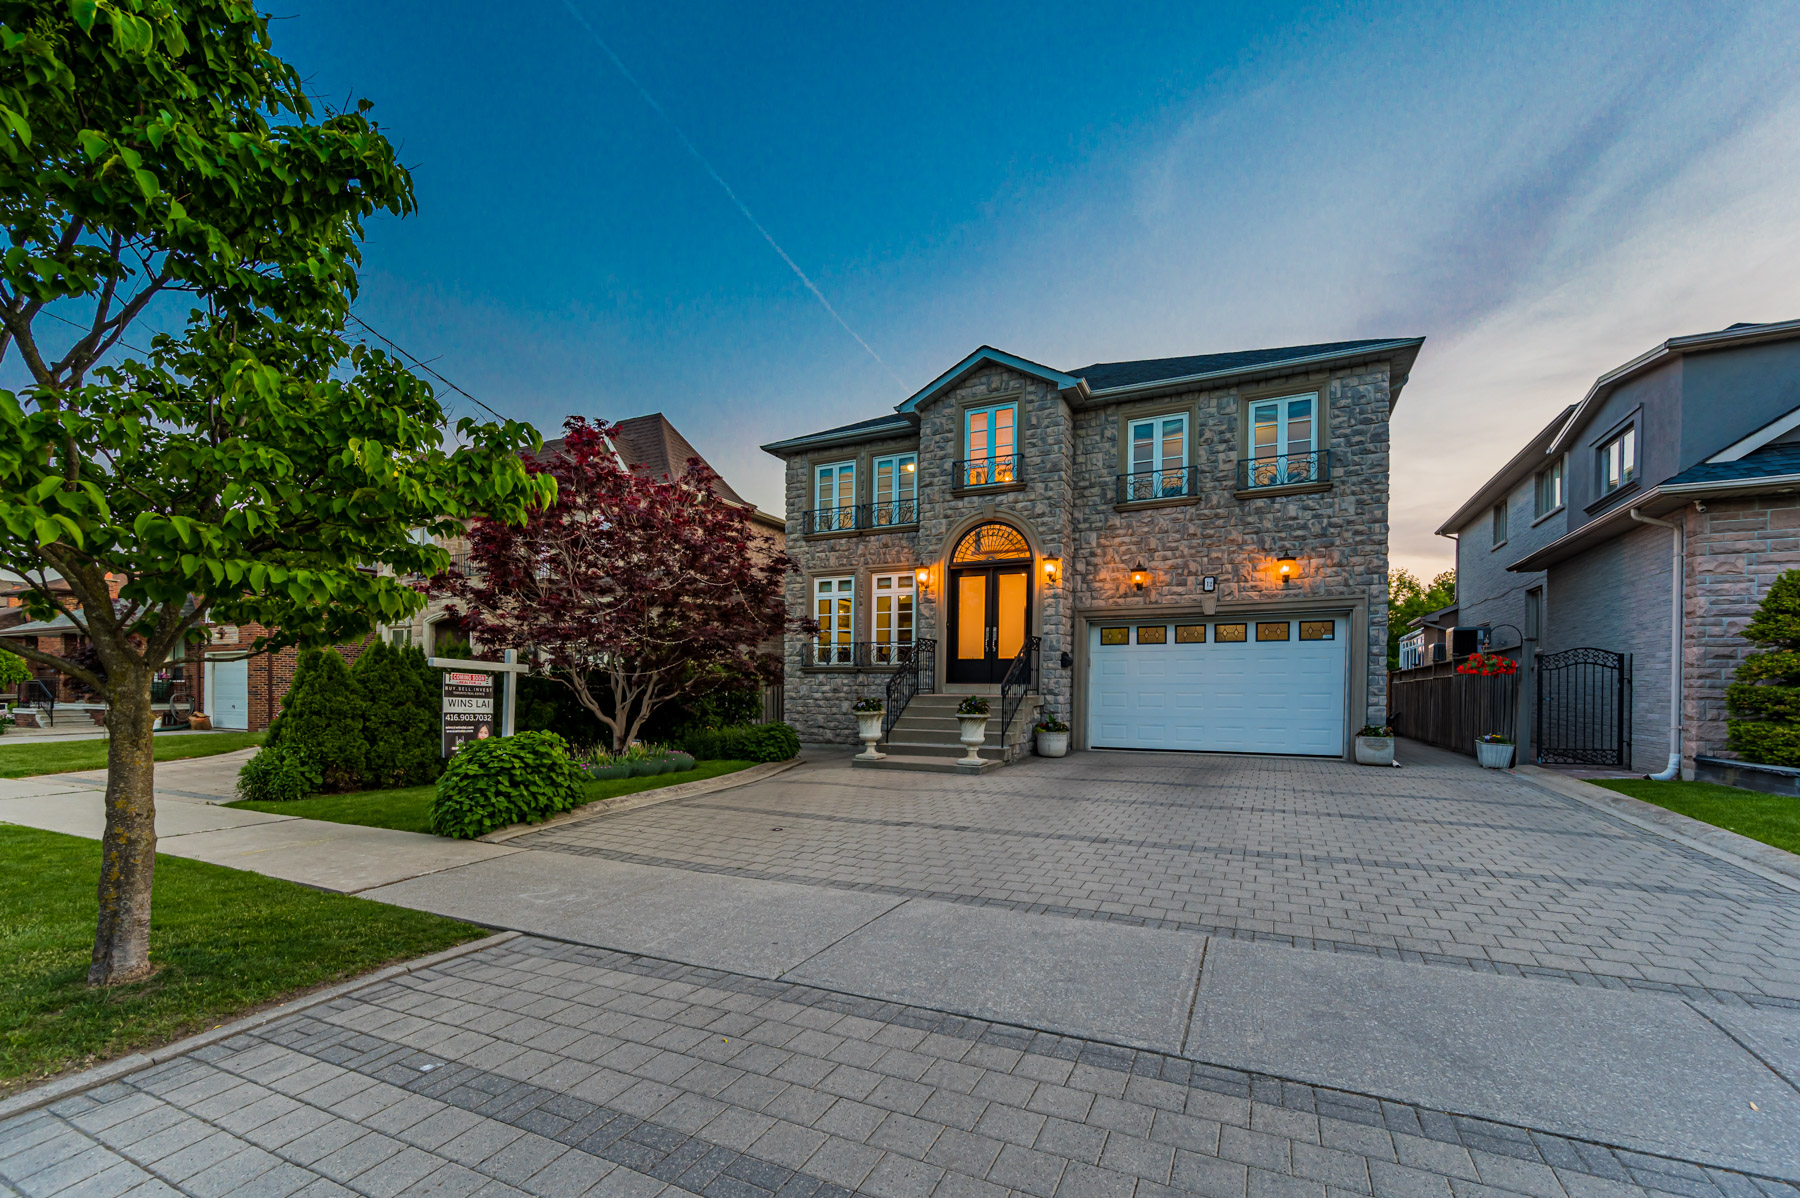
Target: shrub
(1764, 702)
(400, 731)
(278, 775)
(322, 716)
(518, 779)
(745, 742)
(867, 705)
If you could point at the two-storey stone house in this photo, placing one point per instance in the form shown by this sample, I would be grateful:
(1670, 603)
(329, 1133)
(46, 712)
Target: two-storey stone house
(1181, 553)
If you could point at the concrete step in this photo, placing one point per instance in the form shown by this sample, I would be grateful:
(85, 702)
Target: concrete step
(916, 748)
(925, 765)
(941, 736)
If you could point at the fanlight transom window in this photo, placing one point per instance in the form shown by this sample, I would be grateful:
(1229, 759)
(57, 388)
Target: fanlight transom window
(992, 543)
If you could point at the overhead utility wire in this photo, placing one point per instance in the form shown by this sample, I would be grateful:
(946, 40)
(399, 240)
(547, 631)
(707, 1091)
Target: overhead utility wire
(726, 188)
(422, 366)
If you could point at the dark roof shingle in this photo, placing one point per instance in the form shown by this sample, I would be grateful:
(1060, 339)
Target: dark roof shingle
(1102, 376)
(653, 447)
(1771, 461)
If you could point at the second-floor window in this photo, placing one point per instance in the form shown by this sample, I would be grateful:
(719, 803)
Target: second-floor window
(893, 630)
(835, 488)
(1499, 520)
(1618, 461)
(1158, 458)
(1550, 489)
(1284, 450)
(834, 607)
(896, 490)
(990, 437)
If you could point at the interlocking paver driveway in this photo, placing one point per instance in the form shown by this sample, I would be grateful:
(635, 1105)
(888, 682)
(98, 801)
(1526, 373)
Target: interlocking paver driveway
(552, 1069)
(1438, 862)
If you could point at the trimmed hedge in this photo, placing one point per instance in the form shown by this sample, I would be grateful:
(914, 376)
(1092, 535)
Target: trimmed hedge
(744, 742)
(322, 716)
(1764, 702)
(490, 784)
(279, 775)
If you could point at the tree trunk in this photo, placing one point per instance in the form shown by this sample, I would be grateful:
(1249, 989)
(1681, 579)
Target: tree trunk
(128, 850)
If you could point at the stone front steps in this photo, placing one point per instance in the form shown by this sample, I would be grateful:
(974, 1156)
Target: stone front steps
(925, 737)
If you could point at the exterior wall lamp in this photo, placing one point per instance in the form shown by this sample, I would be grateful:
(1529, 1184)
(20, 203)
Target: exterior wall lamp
(924, 578)
(1285, 566)
(1140, 577)
(1052, 570)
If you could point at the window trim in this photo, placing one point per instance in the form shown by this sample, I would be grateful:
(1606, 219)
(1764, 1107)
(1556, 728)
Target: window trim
(911, 590)
(1560, 470)
(1128, 451)
(821, 638)
(1319, 388)
(1626, 477)
(1499, 519)
(968, 416)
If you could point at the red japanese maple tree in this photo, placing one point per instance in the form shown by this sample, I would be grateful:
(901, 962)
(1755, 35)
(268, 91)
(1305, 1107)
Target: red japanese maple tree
(641, 589)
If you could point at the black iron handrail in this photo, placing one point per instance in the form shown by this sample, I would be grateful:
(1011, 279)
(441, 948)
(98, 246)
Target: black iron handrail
(1284, 470)
(874, 655)
(46, 701)
(995, 471)
(890, 514)
(918, 670)
(1146, 485)
(1021, 674)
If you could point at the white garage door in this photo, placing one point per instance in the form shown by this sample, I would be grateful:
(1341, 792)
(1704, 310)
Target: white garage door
(228, 693)
(1224, 686)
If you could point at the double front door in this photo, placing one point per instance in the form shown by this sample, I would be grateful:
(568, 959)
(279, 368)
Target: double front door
(990, 609)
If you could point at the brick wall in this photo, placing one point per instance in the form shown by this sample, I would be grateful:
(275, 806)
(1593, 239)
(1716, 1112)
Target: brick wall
(269, 674)
(1735, 551)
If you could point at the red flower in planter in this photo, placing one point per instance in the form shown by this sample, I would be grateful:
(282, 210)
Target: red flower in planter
(1488, 665)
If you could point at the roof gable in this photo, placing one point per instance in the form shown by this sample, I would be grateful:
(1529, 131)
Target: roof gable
(987, 355)
(651, 446)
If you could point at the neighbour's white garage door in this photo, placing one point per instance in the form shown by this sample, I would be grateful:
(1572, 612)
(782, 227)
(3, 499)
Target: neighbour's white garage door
(1224, 686)
(228, 693)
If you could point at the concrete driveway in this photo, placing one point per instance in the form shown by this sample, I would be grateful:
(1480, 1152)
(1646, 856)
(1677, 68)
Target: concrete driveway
(1428, 980)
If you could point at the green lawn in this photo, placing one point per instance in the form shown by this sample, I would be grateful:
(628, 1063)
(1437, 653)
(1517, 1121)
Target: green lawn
(62, 757)
(226, 942)
(409, 809)
(1772, 819)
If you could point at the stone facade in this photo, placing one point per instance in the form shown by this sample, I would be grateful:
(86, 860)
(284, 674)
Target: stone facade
(1065, 505)
(1735, 551)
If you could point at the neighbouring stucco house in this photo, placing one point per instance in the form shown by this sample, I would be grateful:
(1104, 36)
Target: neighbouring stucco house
(1179, 553)
(1649, 520)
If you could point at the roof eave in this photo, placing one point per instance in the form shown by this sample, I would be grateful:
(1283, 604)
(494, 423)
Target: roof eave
(1406, 346)
(1657, 501)
(792, 445)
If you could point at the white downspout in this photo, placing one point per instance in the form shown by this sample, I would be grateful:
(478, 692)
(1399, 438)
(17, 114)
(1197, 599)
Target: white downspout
(1676, 579)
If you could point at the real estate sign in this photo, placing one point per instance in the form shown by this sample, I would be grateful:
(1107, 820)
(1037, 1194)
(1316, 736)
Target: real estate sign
(468, 708)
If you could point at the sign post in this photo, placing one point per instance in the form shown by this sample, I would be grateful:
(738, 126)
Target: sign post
(469, 697)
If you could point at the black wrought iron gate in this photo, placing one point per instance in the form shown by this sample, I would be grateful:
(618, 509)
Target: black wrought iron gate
(1583, 708)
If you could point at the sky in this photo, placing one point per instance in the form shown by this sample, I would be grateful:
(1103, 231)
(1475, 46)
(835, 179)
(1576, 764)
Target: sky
(766, 220)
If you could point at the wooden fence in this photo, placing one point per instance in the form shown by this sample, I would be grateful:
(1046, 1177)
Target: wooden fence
(1435, 704)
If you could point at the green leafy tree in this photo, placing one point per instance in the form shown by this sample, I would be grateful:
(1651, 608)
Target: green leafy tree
(13, 671)
(399, 726)
(1764, 702)
(157, 157)
(1408, 598)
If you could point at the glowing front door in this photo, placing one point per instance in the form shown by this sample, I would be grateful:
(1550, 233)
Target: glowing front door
(990, 609)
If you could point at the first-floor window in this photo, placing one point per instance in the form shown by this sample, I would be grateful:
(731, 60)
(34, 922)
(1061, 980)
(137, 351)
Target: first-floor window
(893, 616)
(834, 607)
(400, 637)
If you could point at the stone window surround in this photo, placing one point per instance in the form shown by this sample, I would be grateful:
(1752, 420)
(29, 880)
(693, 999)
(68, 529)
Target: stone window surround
(1354, 610)
(862, 607)
(964, 404)
(1319, 384)
(863, 456)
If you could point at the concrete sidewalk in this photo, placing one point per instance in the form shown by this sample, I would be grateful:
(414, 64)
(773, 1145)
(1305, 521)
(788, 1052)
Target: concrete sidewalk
(1690, 1078)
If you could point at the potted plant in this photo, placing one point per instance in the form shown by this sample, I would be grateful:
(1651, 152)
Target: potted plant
(1495, 752)
(972, 714)
(1375, 745)
(6, 719)
(1052, 737)
(868, 726)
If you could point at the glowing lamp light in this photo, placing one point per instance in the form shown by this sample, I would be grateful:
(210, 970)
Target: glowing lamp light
(910, 467)
(1285, 565)
(1052, 569)
(1140, 577)
(924, 577)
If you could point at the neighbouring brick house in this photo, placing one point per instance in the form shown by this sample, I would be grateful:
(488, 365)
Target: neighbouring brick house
(1181, 553)
(1650, 520)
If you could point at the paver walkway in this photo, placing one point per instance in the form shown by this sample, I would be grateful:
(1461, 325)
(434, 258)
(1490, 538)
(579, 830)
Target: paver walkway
(552, 1069)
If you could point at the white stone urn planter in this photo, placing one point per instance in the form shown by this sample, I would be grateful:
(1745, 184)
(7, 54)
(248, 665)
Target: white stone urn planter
(868, 730)
(974, 733)
(1375, 750)
(1492, 756)
(1052, 744)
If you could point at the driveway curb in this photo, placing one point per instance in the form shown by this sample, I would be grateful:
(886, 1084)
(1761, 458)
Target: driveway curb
(111, 1071)
(648, 798)
(1764, 860)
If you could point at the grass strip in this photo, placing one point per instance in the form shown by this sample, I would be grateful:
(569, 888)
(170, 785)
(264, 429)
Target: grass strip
(226, 942)
(409, 809)
(1772, 819)
(64, 757)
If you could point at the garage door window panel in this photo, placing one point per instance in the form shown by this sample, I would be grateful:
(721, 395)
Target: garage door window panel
(1229, 633)
(1272, 630)
(1318, 630)
(1190, 634)
(1152, 634)
(1115, 636)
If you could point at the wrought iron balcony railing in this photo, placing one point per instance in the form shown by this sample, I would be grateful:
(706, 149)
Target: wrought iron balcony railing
(894, 513)
(990, 471)
(1284, 470)
(1147, 485)
(877, 655)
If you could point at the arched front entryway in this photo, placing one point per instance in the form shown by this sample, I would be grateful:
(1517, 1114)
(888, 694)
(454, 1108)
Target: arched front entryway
(989, 613)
